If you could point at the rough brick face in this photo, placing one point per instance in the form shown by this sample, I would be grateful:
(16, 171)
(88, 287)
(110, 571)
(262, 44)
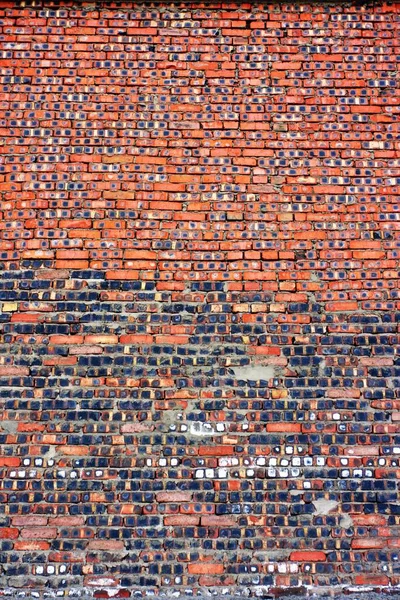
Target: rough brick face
(199, 368)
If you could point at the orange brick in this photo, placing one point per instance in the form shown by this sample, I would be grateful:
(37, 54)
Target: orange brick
(307, 556)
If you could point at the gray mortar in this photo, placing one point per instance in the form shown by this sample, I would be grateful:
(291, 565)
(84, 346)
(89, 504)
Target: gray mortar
(254, 372)
(9, 426)
(324, 507)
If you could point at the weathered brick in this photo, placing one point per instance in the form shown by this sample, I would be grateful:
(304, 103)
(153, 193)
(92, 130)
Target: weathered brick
(184, 520)
(43, 533)
(206, 568)
(106, 545)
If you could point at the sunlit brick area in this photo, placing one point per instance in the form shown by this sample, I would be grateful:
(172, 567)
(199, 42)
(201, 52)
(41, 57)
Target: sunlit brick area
(199, 295)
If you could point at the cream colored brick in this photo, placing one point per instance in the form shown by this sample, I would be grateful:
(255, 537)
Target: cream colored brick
(10, 307)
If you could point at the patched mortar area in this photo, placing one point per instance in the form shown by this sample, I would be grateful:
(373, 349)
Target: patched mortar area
(346, 521)
(324, 507)
(272, 555)
(9, 426)
(255, 372)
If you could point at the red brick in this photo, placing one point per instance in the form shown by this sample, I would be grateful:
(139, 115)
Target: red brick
(368, 543)
(43, 533)
(218, 521)
(74, 450)
(216, 450)
(31, 427)
(10, 370)
(72, 264)
(29, 520)
(136, 339)
(284, 427)
(341, 306)
(106, 545)
(66, 339)
(120, 274)
(8, 533)
(67, 521)
(31, 546)
(182, 520)
(362, 451)
(207, 581)
(369, 579)
(9, 461)
(206, 569)
(371, 519)
(307, 556)
(75, 224)
(60, 360)
(171, 339)
(101, 339)
(174, 496)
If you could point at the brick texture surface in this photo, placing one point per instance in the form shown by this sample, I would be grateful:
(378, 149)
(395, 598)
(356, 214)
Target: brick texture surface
(199, 293)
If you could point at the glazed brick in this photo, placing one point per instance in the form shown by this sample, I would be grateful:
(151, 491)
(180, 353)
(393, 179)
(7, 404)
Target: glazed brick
(199, 299)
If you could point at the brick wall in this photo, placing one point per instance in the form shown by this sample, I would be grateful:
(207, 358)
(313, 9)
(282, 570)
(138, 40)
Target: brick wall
(199, 369)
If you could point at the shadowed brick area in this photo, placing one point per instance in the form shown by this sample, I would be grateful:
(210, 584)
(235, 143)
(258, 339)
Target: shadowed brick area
(199, 235)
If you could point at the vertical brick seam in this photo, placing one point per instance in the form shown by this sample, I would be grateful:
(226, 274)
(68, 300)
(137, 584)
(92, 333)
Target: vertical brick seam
(199, 234)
